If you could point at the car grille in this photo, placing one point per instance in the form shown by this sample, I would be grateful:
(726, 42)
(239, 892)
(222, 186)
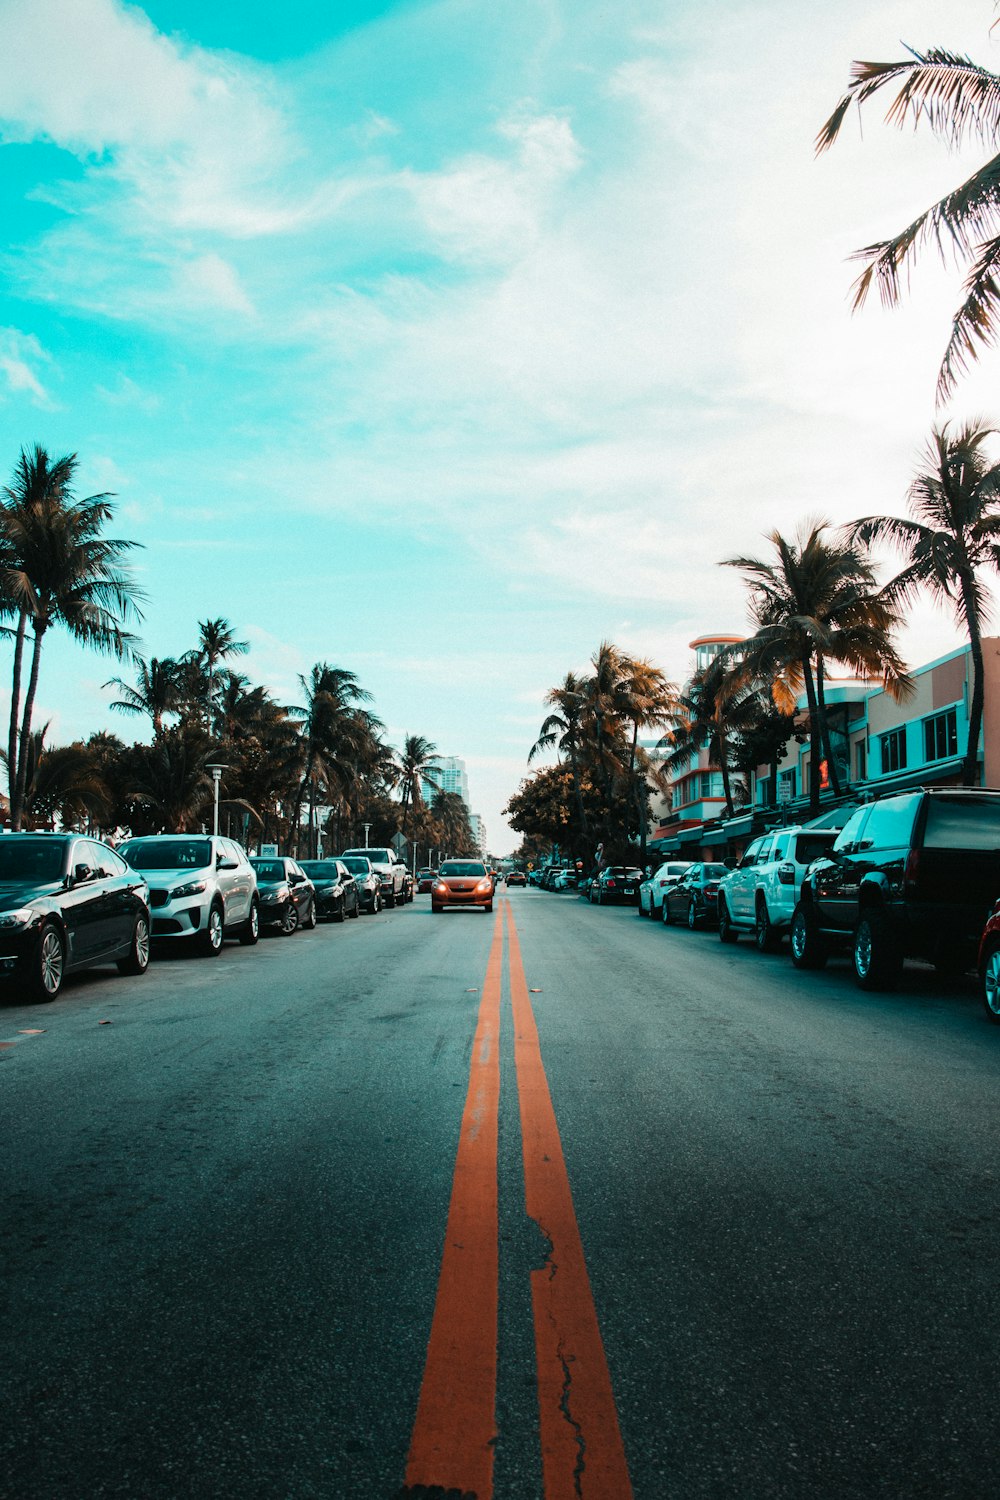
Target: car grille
(158, 898)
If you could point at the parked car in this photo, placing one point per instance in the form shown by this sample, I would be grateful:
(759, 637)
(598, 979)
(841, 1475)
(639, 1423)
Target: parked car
(652, 891)
(516, 877)
(368, 883)
(336, 889)
(202, 888)
(616, 883)
(760, 895)
(989, 965)
(535, 877)
(694, 899)
(425, 879)
(287, 895)
(462, 882)
(913, 875)
(566, 880)
(390, 870)
(67, 903)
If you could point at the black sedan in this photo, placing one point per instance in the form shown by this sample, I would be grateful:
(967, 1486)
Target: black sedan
(616, 883)
(67, 903)
(369, 885)
(287, 898)
(695, 897)
(337, 894)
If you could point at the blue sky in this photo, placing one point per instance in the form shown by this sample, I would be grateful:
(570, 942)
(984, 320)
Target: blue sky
(441, 341)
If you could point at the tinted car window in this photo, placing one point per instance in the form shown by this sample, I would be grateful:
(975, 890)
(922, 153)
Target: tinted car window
(809, 846)
(321, 869)
(459, 867)
(751, 856)
(168, 854)
(25, 858)
(269, 869)
(963, 823)
(848, 835)
(357, 866)
(715, 872)
(891, 822)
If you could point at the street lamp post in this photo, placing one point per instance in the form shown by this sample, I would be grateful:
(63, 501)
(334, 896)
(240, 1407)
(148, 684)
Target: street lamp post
(367, 826)
(216, 771)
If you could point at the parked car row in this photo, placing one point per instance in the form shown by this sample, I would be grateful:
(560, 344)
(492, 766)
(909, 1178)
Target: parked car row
(914, 874)
(69, 902)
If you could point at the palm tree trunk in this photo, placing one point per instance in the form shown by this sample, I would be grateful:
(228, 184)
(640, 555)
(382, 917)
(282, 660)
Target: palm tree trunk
(299, 795)
(15, 706)
(824, 729)
(970, 767)
(814, 733)
(17, 804)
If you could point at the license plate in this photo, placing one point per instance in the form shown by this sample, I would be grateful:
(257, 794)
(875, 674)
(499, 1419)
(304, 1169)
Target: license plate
(630, 890)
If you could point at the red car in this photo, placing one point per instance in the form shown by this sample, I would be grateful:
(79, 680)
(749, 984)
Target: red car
(425, 880)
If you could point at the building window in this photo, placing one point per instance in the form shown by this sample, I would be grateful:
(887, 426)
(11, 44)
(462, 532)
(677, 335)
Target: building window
(764, 791)
(893, 749)
(861, 761)
(711, 783)
(941, 736)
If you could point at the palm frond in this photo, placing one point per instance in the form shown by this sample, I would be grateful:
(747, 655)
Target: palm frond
(975, 323)
(955, 96)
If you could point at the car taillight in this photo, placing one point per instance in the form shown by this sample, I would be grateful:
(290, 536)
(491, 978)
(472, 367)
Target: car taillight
(912, 869)
(786, 874)
(611, 885)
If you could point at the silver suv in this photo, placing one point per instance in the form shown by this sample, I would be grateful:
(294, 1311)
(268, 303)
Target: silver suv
(389, 868)
(200, 888)
(760, 895)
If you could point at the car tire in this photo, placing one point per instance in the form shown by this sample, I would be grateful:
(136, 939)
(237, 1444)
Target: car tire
(48, 964)
(355, 910)
(310, 924)
(136, 960)
(250, 931)
(376, 904)
(212, 936)
(692, 917)
(289, 920)
(390, 901)
(875, 955)
(436, 907)
(488, 906)
(338, 914)
(990, 977)
(764, 935)
(665, 916)
(727, 932)
(805, 941)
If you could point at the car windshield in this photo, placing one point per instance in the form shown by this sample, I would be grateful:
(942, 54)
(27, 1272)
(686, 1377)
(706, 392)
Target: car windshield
(357, 866)
(714, 872)
(30, 859)
(320, 869)
(269, 869)
(623, 870)
(460, 867)
(374, 856)
(168, 854)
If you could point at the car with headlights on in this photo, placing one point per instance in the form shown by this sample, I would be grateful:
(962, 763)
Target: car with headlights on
(67, 903)
(287, 895)
(368, 883)
(462, 882)
(336, 889)
(202, 889)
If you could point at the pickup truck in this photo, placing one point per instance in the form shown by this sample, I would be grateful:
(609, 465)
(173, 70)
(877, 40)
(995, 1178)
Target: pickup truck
(391, 871)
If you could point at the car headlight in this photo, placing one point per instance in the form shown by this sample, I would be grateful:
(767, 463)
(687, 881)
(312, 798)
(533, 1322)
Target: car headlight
(440, 886)
(193, 888)
(484, 885)
(19, 918)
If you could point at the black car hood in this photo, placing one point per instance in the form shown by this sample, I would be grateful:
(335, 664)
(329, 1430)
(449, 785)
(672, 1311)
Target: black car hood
(15, 893)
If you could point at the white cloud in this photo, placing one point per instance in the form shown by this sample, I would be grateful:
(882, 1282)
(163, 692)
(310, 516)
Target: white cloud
(20, 354)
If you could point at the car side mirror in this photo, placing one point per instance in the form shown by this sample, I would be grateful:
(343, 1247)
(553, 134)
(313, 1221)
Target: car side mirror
(226, 864)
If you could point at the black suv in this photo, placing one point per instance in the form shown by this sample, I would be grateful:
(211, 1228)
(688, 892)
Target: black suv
(913, 875)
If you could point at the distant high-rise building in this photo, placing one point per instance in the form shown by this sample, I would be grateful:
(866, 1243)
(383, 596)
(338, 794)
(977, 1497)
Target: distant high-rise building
(478, 831)
(449, 776)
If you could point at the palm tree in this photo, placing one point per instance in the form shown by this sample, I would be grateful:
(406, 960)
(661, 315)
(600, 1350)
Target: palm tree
(957, 99)
(951, 539)
(564, 729)
(417, 764)
(817, 602)
(168, 779)
(645, 699)
(58, 568)
(705, 717)
(334, 730)
(155, 692)
(216, 643)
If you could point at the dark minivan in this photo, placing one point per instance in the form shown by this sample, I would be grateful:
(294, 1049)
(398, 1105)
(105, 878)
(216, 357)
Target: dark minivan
(913, 875)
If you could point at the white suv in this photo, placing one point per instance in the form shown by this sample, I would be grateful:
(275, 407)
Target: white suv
(389, 868)
(760, 895)
(200, 888)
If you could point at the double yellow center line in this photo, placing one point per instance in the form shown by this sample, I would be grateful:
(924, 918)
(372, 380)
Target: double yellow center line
(455, 1427)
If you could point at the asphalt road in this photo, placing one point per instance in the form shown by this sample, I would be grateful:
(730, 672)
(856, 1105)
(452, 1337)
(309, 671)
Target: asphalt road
(224, 1210)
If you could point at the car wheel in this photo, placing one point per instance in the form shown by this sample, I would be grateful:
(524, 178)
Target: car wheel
(692, 917)
(805, 939)
(436, 907)
(339, 913)
(136, 960)
(251, 927)
(488, 906)
(767, 940)
(727, 932)
(48, 965)
(355, 910)
(376, 904)
(210, 939)
(289, 920)
(876, 956)
(390, 901)
(665, 915)
(991, 985)
(312, 919)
